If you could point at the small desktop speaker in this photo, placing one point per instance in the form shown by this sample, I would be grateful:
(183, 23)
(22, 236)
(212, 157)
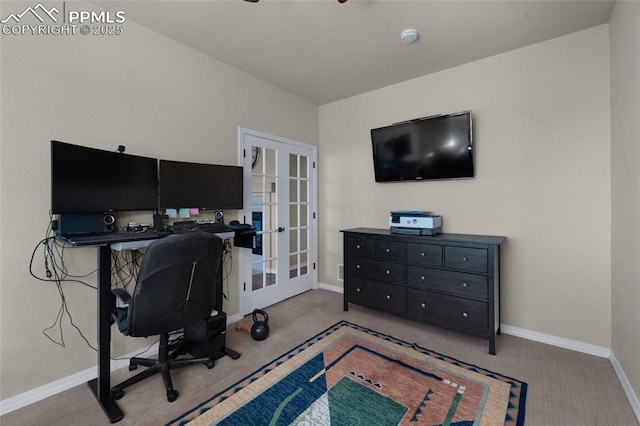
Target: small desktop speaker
(109, 221)
(84, 223)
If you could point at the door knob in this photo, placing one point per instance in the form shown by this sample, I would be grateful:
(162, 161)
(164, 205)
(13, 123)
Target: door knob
(281, 229)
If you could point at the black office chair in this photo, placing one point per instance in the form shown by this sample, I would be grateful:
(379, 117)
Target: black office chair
(175, 288)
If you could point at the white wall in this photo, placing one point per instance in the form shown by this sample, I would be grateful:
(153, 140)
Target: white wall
(625, 165)
(142, 90)
(542, 147)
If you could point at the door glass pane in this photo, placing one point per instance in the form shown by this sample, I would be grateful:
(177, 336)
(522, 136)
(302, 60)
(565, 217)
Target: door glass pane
(293, 165)
(293, 266)
(304, 268)
(304, 191)
(304, 219)
(293, 241)
(257, 160)
(270, 165)
(303, 239)
(293, 190)
(293, 215)
(257, 276)
(271, 275)
(257, 184)
(303, 167)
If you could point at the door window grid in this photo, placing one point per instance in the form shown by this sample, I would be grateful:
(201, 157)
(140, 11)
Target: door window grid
(264, 262)
(298, 215)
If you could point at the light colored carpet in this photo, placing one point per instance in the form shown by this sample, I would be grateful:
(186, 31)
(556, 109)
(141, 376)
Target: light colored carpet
(565, 387)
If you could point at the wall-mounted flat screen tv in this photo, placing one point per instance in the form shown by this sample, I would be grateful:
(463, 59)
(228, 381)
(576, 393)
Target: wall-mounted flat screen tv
(203, 186)
(437, 147)
(90, 180)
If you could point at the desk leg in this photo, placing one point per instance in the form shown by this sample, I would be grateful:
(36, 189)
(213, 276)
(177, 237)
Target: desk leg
(101, 386)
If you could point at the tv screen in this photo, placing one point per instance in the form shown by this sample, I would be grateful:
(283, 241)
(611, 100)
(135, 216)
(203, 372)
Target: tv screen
(90, 180)
(203, 186)
(438, 147)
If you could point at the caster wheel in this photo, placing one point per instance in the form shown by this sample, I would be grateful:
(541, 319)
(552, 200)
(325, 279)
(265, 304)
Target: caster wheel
(210, 364)
(117, 394)
(172, 395)
(133, 367)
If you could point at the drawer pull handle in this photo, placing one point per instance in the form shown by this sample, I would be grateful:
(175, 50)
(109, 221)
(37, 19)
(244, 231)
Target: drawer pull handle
(388, 250)
(422, 277)
(423, 305)
(423, 254)
(357, 246)
(464, 314)
(388, 297)
(465, 285)
(358, 289)
(465, 258)
(388, 272)
(357, 266)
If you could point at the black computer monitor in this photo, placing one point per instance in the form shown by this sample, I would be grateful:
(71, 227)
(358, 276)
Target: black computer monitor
(90, 180)
(203, 186)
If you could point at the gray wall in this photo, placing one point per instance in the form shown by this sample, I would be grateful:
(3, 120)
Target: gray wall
(625, 199)
(142, 90)
(543, 176)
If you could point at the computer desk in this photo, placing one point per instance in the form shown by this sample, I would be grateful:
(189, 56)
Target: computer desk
(101, 385)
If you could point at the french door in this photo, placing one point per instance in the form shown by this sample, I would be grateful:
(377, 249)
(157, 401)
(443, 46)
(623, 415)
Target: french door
(279, 188)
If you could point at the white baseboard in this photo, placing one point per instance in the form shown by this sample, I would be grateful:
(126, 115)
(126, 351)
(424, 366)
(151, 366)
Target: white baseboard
(38, 394)
(22, 400)
(560, 342)
(628, 389)
(234, 318)
(331, 287)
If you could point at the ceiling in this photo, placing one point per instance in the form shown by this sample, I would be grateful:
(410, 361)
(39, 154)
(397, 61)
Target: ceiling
(324, 51)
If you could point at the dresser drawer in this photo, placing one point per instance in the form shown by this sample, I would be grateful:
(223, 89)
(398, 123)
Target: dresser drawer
(456, 283)
(424, 254)
(387, 297)
(389, 250)
(358, 247)
(450, 311)
(376, 270)
(466, 259)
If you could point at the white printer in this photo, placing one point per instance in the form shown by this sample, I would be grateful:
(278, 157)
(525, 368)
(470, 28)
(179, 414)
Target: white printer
(414, 222)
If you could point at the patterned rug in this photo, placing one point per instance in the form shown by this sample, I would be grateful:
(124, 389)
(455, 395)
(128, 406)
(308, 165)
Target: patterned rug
(350, 375)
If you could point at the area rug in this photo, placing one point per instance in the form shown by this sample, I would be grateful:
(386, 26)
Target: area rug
(351, 375)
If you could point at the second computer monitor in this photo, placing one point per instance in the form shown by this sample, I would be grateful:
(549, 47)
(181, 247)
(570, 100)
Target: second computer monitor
(197, 185)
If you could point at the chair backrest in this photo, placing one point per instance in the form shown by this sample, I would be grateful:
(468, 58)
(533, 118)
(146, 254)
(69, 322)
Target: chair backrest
(176, 284)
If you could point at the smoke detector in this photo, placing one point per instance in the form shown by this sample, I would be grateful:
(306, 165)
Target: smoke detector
(409, 36)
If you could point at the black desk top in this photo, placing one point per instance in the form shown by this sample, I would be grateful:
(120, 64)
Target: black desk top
(149, 234)
(111, 237)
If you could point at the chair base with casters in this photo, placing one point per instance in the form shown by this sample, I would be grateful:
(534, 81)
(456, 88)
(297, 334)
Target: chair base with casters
(162, 365)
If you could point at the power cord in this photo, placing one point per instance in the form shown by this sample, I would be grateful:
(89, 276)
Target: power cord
(125, 266)
(227, 265)
(55, 272)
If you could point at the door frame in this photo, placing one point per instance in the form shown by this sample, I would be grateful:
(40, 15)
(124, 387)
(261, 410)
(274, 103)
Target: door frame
(244, 256)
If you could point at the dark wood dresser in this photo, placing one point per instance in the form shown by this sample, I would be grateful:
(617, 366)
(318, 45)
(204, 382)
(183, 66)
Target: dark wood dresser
(450, 280)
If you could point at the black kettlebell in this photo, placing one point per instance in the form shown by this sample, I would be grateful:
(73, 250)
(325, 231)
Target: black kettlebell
(260, 329)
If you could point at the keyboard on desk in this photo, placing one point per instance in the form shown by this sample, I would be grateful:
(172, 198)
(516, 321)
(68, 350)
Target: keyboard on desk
(111, 237)
(192, 225)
